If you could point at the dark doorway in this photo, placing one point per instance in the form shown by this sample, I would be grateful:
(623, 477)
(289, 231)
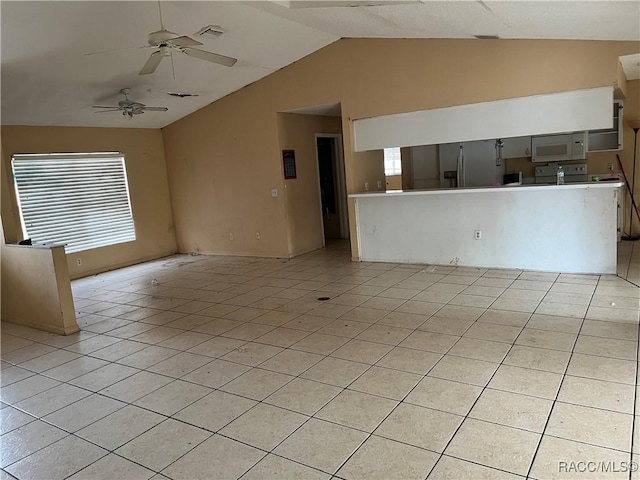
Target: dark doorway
(327, 168)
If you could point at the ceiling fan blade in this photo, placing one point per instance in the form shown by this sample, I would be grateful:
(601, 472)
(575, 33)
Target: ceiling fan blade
(110, 110)
(156, 109)
(152, 63)
(117, 50)
(184, 41)
(209, 57)
(105, 106)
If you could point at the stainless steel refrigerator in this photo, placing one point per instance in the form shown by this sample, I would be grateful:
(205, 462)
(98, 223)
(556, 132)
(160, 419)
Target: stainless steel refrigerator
(476, 163)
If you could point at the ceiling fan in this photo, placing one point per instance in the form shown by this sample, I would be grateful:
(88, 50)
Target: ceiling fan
(129, 108)
(168, 42)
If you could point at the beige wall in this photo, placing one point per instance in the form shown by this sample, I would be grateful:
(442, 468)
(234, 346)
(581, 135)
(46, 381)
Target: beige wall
(222, 163)
(367, 167)
(224, 159)
(36, 290)
(302, 195)
(148, 188)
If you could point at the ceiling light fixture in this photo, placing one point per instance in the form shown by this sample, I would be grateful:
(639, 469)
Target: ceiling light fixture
(487, 37)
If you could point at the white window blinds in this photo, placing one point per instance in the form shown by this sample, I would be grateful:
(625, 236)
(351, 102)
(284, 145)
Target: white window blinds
(80, 199)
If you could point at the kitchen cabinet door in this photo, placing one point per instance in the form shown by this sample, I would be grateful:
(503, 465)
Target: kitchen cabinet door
(516, 147)
(608, 138)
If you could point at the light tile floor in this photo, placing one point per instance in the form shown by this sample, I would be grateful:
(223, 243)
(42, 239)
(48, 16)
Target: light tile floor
(629, 261)
(221, 367)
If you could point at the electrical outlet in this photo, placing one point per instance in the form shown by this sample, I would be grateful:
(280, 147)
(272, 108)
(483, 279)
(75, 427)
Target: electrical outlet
(379, 184)
(79, 262)
(258, 236)
(230, 236)
(478, 234)
(274, 192)
(366, 186)
(610, 167)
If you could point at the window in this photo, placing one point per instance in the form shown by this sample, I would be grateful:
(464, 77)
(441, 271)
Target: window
(392, 161)
(79, 199)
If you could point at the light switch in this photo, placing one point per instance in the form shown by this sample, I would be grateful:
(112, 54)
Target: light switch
(274, 192)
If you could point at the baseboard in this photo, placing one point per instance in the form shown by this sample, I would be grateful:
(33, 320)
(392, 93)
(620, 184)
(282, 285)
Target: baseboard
(238, 254)
(307, 250)
(42, 326)
(117, 266)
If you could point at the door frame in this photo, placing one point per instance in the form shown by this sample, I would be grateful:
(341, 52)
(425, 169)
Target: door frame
(340, 183)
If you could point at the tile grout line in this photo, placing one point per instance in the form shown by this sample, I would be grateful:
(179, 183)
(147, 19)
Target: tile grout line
(113, 452)
(220, 358)
(635, 403)
(128, 404)
(167, 417)
(344, 389)
(484, 388)
(258, 402)
(261, 402)
(564, 375)
(424, 376)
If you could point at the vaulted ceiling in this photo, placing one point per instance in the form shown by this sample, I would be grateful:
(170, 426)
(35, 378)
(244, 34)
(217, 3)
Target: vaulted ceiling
(47, 78)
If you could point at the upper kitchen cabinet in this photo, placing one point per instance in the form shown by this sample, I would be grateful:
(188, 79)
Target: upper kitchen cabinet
(608, 138)
(516, 147)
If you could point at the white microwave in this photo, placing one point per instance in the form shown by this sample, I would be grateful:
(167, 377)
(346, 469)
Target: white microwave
(559, 148)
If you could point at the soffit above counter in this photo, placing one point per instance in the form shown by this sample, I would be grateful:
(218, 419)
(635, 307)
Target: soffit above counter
(577, 110)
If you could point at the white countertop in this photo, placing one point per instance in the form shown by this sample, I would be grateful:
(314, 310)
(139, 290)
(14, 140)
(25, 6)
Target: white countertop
(501, 188)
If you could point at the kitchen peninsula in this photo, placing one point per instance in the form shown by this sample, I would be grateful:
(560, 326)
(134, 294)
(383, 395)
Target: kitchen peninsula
(562, 228)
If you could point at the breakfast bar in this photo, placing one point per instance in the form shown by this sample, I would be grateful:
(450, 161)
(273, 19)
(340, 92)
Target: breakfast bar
(562, 228)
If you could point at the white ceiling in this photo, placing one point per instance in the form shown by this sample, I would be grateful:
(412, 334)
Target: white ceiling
(326, 110)
(631, 66)
(48, 80)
